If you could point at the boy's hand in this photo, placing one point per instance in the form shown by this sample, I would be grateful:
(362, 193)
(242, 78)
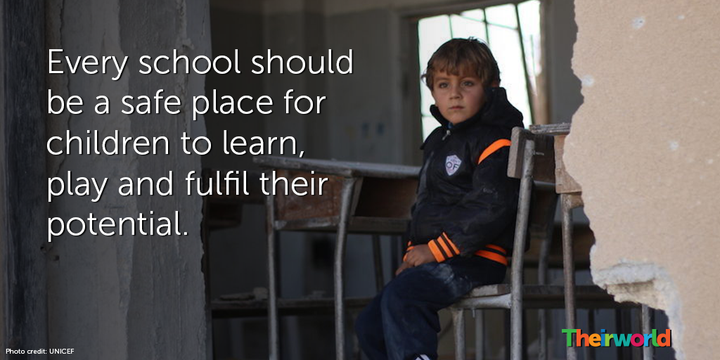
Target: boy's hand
(419, 255)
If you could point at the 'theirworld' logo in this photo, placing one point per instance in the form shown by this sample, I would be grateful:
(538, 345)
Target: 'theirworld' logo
(654, 339)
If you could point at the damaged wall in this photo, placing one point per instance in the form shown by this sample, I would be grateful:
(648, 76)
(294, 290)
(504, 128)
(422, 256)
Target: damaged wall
(644, 146)
(127, 297)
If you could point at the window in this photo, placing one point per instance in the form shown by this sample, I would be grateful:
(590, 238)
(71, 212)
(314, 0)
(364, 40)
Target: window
(502, 27)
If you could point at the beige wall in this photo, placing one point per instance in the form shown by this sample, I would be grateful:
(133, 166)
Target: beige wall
(644, 146)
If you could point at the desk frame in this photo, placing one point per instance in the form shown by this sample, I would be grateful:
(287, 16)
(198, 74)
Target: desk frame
(352, 174)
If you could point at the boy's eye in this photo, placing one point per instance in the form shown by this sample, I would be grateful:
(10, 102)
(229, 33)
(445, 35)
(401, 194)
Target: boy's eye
(468, 83)
(442, 85)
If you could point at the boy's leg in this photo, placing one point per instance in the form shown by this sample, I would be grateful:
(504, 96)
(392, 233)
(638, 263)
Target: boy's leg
(409, 304)
(369, 330)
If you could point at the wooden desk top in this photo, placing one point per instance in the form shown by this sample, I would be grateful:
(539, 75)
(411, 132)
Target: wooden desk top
(339, 168)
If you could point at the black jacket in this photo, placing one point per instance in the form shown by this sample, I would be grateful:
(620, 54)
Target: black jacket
(463, 205)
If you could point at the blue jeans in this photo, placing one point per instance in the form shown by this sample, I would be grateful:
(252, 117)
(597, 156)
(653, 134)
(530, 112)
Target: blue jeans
(402, 323)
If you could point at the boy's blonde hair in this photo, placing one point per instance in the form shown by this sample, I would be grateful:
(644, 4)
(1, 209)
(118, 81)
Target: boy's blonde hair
(462, 57)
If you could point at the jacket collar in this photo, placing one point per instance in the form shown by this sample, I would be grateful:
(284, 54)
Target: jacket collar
(496, 111)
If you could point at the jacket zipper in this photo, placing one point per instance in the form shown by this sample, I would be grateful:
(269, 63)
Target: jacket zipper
(447, 133)
(423, 173)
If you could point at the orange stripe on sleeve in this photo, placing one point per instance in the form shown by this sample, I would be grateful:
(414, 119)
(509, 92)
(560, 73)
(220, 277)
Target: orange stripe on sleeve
(446, 248)
(452, 244)
(439, 257)
(497, 145)
(495, 247)
(492, 256)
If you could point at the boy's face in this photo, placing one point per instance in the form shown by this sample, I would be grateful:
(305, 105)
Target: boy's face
(458, 97)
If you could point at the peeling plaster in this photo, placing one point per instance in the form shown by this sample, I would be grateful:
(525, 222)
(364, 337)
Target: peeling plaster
(642, 147)
(644, 283)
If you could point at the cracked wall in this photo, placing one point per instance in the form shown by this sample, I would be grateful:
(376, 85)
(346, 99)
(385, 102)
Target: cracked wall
(644, 147)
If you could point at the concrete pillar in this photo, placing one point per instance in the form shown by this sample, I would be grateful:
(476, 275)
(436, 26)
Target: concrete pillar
(129, 296)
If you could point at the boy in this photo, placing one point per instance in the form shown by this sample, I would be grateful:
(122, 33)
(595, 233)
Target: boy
(464, 216)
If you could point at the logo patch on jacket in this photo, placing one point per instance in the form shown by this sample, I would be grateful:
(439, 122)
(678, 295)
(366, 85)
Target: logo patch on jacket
(452, 164)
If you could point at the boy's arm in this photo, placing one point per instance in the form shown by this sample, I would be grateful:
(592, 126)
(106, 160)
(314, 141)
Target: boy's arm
(483, 213)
